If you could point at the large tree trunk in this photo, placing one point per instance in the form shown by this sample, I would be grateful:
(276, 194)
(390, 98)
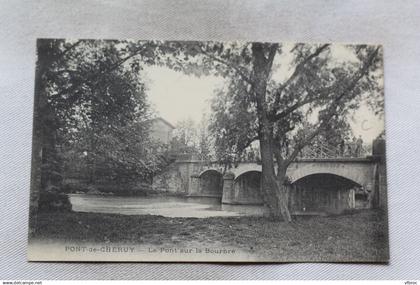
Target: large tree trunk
(274, 190)
(91, 160)
(44, 157)
(46, 171)
(283, 190)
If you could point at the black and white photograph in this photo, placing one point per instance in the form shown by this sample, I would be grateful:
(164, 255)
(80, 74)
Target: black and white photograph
(206, 151)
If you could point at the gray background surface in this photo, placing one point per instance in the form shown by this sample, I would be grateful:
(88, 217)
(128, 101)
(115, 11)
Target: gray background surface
(395, 24)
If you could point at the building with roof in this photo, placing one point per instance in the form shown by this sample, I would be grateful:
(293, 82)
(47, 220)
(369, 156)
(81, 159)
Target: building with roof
(161, 130)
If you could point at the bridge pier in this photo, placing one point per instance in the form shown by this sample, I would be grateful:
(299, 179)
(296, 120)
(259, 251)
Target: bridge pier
(206, 184)
(244, 189)
(194, 187)
(228, 189)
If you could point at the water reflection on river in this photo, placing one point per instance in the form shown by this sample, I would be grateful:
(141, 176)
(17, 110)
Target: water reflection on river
(196, 207)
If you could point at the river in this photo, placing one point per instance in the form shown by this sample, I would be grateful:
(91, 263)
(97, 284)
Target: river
(168, 206)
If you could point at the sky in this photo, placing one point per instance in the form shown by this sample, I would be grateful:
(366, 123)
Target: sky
(176, 96)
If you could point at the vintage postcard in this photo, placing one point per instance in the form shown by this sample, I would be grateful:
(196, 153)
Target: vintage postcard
(208, 152)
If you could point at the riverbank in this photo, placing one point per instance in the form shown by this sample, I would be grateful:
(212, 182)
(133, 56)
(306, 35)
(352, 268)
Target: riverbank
(360, 236)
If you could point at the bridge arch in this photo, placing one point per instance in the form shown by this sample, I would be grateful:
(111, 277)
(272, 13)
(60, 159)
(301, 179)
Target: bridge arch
(360, 173)
(340, 178)
(211, 183)
(323, 192)
(247, 188)
(204, 171)
(244, 168)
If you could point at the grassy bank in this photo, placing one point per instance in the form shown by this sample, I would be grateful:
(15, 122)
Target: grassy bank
(359, 236)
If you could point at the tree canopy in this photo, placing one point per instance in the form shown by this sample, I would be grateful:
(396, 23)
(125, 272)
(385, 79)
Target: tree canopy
(93, 107)
(318, 92)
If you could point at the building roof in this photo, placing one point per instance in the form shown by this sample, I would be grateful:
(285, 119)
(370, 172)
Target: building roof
(164, 121)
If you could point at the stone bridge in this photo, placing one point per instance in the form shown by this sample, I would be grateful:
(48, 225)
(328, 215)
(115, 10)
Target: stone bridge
(359, 170)
(318, 185)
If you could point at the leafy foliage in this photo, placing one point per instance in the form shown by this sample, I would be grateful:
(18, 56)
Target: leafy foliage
(194, 139)
(94, 109)
(320, 91)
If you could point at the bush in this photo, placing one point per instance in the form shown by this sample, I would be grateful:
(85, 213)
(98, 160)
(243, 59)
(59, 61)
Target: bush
(52, 201)
(106, 188)
(74, 186)
(124, 189)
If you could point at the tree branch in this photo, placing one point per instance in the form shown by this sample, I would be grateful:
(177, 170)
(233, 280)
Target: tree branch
(303, 143)
(61, 55)
(291, 109)
(249, 142)
(331, 110)
(271, 55)
(89, 79)
(235, 68)
(298, 69)
(279, 158)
